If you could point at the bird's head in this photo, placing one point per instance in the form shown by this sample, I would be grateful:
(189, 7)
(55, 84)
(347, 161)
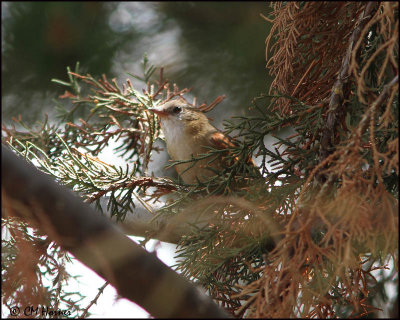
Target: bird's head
(178, 116)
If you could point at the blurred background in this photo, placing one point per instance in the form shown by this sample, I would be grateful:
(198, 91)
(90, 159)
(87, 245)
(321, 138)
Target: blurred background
(215, 47)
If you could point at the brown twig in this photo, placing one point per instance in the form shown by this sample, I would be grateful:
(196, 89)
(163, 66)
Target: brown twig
(160, 184)
(212, 105)
(160, 88)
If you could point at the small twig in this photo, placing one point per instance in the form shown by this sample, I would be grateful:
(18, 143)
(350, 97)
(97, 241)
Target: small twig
(266, 19)
(101, 289)
(205, 108)
(77, 75)
(364, 121)
(160, 88)
(136, 182)
(304, 75)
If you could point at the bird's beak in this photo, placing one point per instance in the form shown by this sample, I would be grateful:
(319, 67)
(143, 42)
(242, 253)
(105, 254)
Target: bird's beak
(158, 111)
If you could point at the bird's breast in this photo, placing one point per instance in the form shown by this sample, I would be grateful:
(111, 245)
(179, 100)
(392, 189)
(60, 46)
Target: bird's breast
(184, 143)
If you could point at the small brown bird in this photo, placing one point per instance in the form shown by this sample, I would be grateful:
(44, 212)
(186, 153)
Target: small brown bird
(188, 133)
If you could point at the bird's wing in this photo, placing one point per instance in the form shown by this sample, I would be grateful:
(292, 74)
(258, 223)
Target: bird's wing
(222, 141)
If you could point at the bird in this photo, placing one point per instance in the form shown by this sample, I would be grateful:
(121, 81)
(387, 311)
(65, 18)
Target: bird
(189, 134)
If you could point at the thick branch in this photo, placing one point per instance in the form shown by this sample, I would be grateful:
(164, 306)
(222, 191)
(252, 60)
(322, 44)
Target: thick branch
(136, 274)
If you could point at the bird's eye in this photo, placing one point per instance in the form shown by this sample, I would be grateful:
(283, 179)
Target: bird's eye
(176, 109)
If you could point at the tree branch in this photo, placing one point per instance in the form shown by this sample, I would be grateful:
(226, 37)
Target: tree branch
(136, 274)
(337, 92)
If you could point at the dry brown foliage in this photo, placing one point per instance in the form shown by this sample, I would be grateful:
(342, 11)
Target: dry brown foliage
(307, 55)
(316, 57)
(312, 41)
